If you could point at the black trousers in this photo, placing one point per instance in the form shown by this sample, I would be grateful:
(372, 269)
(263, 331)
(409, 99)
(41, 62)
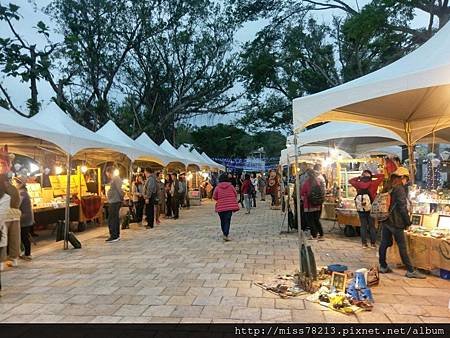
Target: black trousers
(139, 206)
(150, 212)
(313, 221)
(175, 207)
(113, 219)
(25, 238)
(169, 206)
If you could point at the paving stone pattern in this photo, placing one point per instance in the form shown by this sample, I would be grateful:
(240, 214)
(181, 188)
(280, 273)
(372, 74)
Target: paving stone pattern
(181, 271)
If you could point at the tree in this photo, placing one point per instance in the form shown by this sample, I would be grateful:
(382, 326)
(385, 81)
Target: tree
(18, 58)
(283, 63)
(183, 71)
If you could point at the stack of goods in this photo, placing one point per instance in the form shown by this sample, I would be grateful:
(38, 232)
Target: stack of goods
(344, 291)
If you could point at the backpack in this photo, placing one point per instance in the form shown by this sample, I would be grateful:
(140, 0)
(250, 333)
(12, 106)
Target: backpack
(363, 201)
(316, 194)
(381, 206)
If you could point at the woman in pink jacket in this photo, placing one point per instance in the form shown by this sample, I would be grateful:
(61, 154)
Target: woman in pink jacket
(226, 203)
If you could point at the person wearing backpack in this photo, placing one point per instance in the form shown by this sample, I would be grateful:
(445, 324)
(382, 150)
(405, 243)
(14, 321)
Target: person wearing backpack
(366, 187)
(394, 226)
(312, 193)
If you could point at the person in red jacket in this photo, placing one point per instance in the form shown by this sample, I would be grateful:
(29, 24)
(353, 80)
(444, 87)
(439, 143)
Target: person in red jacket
(247, 188)
(367, 184)
(226, 203)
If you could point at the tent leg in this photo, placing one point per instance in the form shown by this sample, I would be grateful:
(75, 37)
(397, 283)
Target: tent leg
(67, 210)
(412, 160)
(297, 191)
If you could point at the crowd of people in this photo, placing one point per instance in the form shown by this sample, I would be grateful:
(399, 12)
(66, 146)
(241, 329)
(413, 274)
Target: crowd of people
(152, 195)
(312, 195)
(16, 214)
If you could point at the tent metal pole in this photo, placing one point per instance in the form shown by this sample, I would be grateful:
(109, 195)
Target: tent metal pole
(67, 211)
(297, 192)
(412, 160)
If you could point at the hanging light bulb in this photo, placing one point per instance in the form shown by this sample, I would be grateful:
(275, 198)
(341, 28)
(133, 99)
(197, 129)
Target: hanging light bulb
(58, 170)
(84, 169)
(116, 172)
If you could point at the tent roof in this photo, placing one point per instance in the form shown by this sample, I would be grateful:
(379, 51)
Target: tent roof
(191, 158)
(202, 160)
(213, 163)
(166, 146)
(409, 96)
(115, 135)
(73, 137)
(389, 150)
(19, 131)
(149, 146)
(347, 136)
(311, 152)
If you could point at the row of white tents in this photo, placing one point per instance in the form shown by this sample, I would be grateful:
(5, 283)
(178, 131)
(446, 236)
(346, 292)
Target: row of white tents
(53, 130)
(404, 103)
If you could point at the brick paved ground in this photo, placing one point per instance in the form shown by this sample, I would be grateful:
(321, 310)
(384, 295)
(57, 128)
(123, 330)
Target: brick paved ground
(181, 271)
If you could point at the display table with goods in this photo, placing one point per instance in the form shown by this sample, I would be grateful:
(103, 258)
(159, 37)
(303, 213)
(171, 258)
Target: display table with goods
(346, 214)
(329, 208)
(428, 238)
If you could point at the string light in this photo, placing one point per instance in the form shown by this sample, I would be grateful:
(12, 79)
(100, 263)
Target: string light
(116, 172)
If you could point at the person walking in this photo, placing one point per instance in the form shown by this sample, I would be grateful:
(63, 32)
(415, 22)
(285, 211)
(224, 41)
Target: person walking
(262, 183)
(176, 193)
(397, 222)
(137, 190)
(115, 198)
(226, 203)
(149, 196)
(247, 187)
(366, 187)
(312, 193)
(254, 181)
(27, 217)
(13, 227)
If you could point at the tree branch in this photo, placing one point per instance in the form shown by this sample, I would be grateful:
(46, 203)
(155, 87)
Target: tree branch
(11, 104)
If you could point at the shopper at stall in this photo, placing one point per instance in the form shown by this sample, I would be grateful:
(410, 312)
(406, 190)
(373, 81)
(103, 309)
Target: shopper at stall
(160, 199)
(176, 193)
(226, 203)
(247, 189)
(13, 227)
(312, 193)
(27, 217)
(5, 202)
(397, 222)
(366, 187)
(167, 189)
(262, 183)
(115, 198)
(149, 196)
(137, 190)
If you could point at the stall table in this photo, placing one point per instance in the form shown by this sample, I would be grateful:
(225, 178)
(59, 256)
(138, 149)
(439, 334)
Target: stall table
(50, 215)
(425, 252)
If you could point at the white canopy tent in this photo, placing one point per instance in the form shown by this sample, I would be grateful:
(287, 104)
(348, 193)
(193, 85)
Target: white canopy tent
(149, 146)
(166, 146)
(383, 151)
(115, 135)
(204, 162)
(311, 152)
(25, 136)
(213, 163)
(187, 154)
(74, 138)
(409, 97)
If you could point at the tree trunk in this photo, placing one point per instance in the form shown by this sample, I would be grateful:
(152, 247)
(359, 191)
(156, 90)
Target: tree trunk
(34, 108)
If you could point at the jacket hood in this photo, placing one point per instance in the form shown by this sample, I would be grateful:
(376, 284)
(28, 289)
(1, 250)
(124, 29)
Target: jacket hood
(224, 185)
